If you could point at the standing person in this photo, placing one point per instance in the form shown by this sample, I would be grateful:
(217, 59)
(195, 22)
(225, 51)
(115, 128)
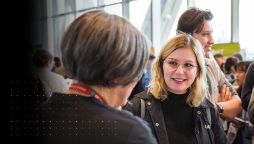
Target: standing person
(175, 105)
(229, 69)
(238, 56)
(219, 58)
(146, 80)
(58, 66)
(105, 55)
(247, 96)
(196, 22)
(239, 132)
(248, 86)
(241, 70)
(42, 64)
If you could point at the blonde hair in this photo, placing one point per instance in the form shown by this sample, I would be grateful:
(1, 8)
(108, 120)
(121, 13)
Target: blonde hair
(198, 89)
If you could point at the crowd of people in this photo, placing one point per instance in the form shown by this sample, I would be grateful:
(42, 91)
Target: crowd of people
(121, 93)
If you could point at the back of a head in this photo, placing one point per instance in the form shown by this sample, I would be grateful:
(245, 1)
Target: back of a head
(41, 58)
(218, 55)
(230, 62)
(238, 56)
(57, 61)
(192, 20)
(242, 66)
(103, 49)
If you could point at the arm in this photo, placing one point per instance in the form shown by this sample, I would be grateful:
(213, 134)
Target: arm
(228, 96)
(231, 108)
(230, 102)
(133, 106)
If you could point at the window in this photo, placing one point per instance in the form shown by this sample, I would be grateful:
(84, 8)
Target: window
(141, 17)
(221, 22)
(246, 30)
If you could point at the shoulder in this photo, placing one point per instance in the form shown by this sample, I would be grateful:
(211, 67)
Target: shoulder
(145, 95)
(207, 104)
(134, 104)
(90, 117)
(129, 127)
(135, 129)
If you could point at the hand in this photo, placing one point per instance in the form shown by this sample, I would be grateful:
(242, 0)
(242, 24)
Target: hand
(225, 94)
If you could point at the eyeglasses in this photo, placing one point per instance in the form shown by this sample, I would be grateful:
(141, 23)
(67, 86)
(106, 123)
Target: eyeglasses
(173, 64)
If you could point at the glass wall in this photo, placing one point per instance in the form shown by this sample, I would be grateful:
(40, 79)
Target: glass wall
(246, 29)
(221, 22)
(183, 7)
(157, 19)
(141, 16)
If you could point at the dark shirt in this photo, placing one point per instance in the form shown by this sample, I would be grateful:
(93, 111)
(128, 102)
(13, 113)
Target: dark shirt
(179, 119)
(87, 120)
(247, 86)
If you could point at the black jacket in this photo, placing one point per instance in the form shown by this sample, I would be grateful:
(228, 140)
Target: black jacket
(78, 119)
(205, 132)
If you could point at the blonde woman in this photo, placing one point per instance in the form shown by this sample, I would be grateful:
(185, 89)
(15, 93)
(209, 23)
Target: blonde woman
(175, 104)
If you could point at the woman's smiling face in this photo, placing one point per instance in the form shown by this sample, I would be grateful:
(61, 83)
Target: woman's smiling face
(180, 70)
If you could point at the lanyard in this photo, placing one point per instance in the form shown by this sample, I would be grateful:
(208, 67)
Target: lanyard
(79, 88)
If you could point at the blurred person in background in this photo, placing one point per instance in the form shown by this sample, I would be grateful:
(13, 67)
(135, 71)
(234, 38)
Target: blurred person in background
(52, 82)
(239, 132)
(219, 58)
(229, 69)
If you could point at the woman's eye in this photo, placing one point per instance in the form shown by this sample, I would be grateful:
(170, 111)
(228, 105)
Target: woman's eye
(172, 63)
(188, 65)
(205, 34)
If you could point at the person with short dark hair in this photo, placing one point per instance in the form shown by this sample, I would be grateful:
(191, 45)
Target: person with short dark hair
(238, 56)
(42, 64)
(219, 58)
(58, 66)
(105, 55)
(229, 69)
(196, 22)
(239, 132)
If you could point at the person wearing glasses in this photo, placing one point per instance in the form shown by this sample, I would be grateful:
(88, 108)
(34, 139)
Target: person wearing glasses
(175, 105)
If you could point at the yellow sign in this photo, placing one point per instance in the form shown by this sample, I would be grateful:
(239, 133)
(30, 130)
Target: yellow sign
(226, 49)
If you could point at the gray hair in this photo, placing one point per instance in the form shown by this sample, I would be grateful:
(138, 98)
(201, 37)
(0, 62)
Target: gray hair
(104, 50)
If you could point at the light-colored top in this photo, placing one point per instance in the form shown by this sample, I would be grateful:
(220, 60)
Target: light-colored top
(52, 82)
(216, 79)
